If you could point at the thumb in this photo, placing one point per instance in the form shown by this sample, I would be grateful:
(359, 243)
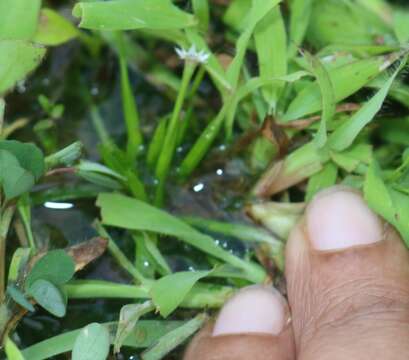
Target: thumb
(252, 325)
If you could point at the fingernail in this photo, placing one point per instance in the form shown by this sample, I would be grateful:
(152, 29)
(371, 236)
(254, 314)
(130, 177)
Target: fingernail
(255, 309)
(338, 218)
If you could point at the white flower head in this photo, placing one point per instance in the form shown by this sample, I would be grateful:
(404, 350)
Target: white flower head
(193, 55)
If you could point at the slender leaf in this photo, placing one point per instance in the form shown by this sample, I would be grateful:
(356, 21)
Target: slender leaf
(121, 211)
(169, 291)
(271, 46)
(128, 317)
(344, 136)
(174, 338)
(132, 14)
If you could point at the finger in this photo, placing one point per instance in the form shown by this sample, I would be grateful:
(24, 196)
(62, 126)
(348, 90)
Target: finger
(347, 275)
(252, 325)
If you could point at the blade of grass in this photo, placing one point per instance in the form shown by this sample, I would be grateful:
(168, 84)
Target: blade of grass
(300, 13)
(129, 107)
(174, 338)
(124, 212)
(146, 333)
(327, 96)
(169, 145)
(271, 46)
(344, 135)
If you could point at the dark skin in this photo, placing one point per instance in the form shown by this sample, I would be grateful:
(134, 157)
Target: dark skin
(347, 276)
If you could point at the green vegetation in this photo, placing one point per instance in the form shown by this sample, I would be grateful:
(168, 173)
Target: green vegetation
(154, 155)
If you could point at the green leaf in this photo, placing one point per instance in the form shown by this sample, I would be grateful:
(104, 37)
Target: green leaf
(392, 205)
(346, 80)
(92, 343)
(13, 178)
(299, 19)
(174, 338)
(17, 59)
(271, 46)
(18, 19)
(128, 317)
(12, 351)
(54, 29)
(55, 266)
(351, 158)
(321, 180)
(327, 96)
(19, 298)
(401, 25)
(48, 296)
(125, 212)
(202, 12)
(29, 156)
(344, 135)
(169, 291)
(132, 14)
(259, 10)
(145, 333)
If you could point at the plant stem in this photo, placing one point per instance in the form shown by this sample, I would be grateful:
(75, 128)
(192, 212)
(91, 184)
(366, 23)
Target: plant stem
(6, 216)
(166, 156)
(202, 144)
(120, 257)
(99, 126)
(201, 296)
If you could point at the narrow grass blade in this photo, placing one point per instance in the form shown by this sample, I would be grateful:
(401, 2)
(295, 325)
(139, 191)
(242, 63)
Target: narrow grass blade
(327, 97)
(121, 211)
(344, 136)
(271, 46)
(174, 338)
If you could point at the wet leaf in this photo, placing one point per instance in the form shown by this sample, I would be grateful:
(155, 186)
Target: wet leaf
(125, 212)
(19, 298)
(174, 338)
(169, 291)
(92, 343)
(128, 317)
(55, 266)
(48, 296)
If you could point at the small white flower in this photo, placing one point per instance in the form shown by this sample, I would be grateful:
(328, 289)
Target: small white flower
(193, 55)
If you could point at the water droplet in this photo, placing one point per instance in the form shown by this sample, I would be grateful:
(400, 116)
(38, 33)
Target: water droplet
(222, 147)
(219, 172)
(191, 268)
(94, 91)
(146, 263)
(21, 87)
(199, 187)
